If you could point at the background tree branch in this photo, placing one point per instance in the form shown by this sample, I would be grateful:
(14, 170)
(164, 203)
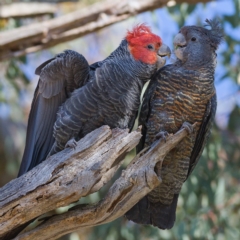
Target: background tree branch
(18, 10)
(72, 174)
(38, 36)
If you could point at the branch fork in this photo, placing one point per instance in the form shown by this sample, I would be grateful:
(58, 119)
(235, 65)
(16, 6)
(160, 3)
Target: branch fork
(73, 173)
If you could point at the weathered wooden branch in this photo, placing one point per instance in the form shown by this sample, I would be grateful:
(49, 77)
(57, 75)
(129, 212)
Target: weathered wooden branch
(38, 36)
(65, 177)
(19, 10)
(72, 174)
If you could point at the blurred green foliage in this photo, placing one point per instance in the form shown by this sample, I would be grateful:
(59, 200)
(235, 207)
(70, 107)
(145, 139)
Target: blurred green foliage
(209, 203)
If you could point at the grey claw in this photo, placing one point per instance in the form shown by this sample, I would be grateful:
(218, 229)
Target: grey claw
(163, 135)
(71, 143)
(188, 126)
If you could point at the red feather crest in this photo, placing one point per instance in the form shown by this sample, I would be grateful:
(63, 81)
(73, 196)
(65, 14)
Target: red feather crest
(142, 34)
(138, 31)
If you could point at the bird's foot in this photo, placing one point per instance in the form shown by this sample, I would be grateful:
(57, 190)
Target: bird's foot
(71, 143)
(188, 126)
(162, 135)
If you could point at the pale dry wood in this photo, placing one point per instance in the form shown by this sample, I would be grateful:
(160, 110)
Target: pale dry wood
(38, 36)
(64, 177)
(135, 182)
(19, 10)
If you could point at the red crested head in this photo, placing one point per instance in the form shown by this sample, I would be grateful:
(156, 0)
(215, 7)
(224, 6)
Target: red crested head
(143, 44)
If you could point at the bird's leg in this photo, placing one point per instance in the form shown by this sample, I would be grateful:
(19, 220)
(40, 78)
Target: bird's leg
(162, 135)
(72, 143)
(188, 126)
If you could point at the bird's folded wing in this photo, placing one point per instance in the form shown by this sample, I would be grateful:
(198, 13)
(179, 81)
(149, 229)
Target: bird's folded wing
(59, 77)
(203, 134)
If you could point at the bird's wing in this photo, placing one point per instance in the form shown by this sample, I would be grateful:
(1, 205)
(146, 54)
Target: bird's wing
(59, 76)
(203, 134)
(79, 114)
(106, 99)
(67, 71)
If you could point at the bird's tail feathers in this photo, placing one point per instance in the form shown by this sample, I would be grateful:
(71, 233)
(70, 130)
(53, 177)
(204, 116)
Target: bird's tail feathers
(156, 214)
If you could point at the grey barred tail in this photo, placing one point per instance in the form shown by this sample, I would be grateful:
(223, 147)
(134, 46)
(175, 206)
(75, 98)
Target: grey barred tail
(156, 214)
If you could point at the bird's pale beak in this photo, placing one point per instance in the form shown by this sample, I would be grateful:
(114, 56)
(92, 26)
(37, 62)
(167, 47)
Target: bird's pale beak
(179, 41)
(163, 51)
(180, 44)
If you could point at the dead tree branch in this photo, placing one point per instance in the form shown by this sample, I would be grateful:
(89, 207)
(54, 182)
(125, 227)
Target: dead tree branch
(65, 177)
(19, 10)
(38, 36)
(72, 174)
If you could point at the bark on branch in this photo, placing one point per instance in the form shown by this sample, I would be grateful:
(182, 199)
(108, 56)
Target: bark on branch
(72, 174)
(19, 10)
(38, 36)
(65, 177)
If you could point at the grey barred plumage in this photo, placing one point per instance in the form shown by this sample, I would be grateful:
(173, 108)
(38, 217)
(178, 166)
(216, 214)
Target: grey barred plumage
(111, 97)
(180, 92)
(62, 109)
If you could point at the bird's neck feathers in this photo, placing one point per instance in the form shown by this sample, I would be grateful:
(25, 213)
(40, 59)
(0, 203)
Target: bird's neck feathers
(119, 52)
(201, 63)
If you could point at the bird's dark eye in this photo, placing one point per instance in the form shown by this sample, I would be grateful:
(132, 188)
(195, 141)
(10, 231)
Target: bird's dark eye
(193, 39)
(150, 47)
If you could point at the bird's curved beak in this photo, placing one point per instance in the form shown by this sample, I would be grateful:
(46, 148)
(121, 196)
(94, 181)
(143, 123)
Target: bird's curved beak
(180, 44)
(163, 51)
